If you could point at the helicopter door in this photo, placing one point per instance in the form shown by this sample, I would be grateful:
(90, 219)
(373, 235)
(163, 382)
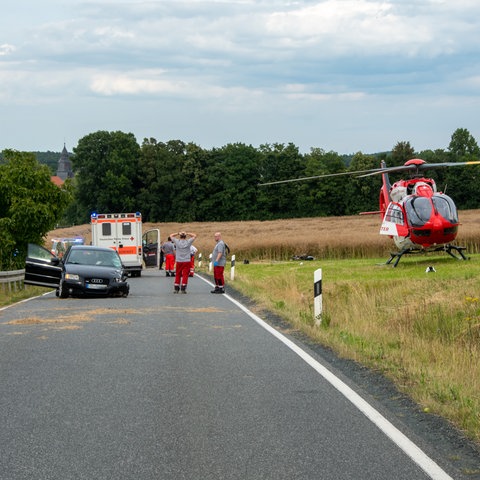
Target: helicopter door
(394, 223)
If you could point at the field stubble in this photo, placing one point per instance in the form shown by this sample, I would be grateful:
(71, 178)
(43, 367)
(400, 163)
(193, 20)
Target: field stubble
(420, 329)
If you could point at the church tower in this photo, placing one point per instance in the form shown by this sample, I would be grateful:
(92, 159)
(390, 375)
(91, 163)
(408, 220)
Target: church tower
(64, 169)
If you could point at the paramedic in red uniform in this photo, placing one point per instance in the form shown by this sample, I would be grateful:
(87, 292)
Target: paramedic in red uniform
(168, 249)
(219, 260)
(183, 258)
(193, 252)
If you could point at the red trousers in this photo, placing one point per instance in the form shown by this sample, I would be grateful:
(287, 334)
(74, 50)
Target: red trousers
(218, 276)
(192, 265)
(181, 274)
(170, 262)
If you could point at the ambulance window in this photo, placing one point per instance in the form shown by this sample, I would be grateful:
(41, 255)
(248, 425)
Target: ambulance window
(106, 229)
(126, 228)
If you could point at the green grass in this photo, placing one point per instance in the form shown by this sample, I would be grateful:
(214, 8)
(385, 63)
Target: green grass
(8, 297)
(420, 329)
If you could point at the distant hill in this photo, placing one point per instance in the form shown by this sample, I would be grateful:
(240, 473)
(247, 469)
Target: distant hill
(49, 158)
(45, 158)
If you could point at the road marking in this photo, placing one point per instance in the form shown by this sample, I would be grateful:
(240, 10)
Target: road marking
(430, 467)
(23, 301)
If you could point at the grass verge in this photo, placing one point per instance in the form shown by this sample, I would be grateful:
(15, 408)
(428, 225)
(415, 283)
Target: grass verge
(422, 330)
(27, 291)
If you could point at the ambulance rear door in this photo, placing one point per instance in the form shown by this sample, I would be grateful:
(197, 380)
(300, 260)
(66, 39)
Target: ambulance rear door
(151, 248)
(123, 233)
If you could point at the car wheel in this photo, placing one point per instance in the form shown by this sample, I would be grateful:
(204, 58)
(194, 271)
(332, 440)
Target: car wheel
(62, 291)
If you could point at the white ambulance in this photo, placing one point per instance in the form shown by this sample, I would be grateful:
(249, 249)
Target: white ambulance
(123, 233)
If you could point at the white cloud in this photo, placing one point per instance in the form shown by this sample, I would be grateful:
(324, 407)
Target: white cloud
(278, 59)
(143, 83)
(6, 49)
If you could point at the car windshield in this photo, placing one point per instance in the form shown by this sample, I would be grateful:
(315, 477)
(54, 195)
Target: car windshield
(100, 258)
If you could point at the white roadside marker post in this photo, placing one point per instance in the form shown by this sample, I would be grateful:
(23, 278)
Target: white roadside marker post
(232, 269)
(317, 291)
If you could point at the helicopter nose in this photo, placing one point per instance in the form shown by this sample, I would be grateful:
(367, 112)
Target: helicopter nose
(437, 221)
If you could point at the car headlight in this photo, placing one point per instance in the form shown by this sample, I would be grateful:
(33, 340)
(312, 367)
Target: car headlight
(117, 279)
(72, 276)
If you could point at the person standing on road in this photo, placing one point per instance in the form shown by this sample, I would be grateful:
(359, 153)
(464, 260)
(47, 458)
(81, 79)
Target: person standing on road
(183, 259)
(219, 259)
(168, 249)
(193, 252)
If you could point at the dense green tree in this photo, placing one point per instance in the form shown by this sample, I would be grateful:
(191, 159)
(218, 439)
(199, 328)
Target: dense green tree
(462, 144)
(48, 158)
(190, 192)
(200, 185)
(30, 205)
(233, 173)
(402, 152)
(461, 183)
(173, 180)
(363, 192)
(434, 156)
(312, 191)
(279, 162)
(160, 171)
(325, 195)
(106, 166)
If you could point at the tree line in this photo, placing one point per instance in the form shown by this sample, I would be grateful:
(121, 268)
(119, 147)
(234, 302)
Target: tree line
(175, 181)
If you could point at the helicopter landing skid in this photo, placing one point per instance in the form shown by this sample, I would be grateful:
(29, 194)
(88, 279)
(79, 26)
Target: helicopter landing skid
(459, 250)
(445, 248)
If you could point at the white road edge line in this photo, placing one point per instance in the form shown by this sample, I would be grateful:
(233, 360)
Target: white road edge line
(25, 300)
(430, 467)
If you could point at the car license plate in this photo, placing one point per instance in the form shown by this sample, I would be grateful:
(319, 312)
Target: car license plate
(95, 286)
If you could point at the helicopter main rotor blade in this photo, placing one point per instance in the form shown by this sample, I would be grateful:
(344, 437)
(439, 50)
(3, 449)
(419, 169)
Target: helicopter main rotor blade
(376, 171)
(426, 166)
(302, 179)
(418, 167)
(400, 168)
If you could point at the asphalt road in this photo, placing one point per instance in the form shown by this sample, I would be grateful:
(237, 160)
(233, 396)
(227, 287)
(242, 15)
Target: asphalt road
(164, 386)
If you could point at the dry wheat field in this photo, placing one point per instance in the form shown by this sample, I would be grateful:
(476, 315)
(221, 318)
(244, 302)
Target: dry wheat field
(328, 237)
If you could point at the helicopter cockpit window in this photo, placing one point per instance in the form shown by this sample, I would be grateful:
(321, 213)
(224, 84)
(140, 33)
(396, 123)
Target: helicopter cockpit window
(394, 214)
(419, 210)
(445, 207)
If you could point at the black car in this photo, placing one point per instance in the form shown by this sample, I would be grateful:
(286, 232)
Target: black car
(83, 270)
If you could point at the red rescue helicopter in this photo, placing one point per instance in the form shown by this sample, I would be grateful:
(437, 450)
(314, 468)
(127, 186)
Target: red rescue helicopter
(414, 214)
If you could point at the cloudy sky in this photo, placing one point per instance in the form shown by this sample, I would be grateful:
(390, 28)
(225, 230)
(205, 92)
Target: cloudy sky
(341, 75)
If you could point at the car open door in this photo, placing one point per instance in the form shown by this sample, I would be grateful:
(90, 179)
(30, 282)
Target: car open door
(151, 248)
(42, 268)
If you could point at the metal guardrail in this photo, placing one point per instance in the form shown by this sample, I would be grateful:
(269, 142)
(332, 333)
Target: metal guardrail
(13, 278)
